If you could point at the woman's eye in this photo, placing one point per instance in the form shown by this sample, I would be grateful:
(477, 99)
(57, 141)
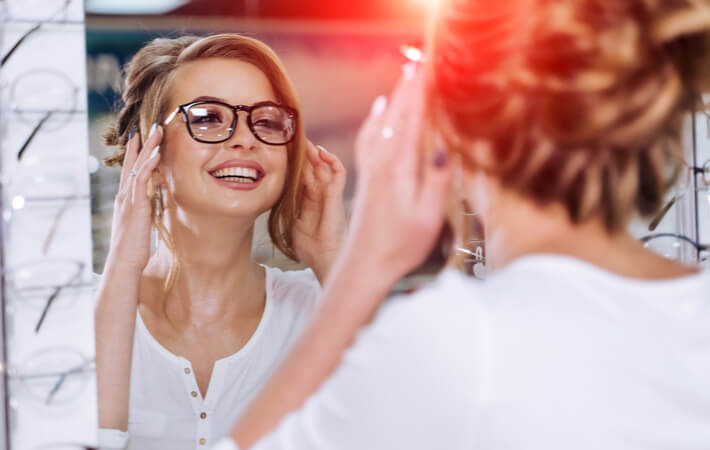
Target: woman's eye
(270, 124)
(206, 118)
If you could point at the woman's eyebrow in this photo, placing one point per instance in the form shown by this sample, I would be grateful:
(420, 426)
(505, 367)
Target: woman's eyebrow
(207, 98)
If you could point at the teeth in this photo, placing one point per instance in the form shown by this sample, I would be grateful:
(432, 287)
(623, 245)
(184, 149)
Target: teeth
(238, 179)
(243, 172)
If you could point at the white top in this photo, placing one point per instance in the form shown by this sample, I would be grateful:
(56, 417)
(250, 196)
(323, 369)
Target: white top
(167, 411)
(549, 354)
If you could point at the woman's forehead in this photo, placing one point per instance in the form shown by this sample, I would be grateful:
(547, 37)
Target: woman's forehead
(232, 80)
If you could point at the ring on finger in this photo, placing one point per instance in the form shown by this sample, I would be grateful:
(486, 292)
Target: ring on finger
(133, 173)
(387, 132)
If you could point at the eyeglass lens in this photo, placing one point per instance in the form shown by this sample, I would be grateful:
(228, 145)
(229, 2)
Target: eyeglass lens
(213, 122)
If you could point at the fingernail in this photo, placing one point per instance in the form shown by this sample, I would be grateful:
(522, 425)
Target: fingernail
(440, 157)
(152, 129)
(322, 148)
(409, 70)
(132, 132)
(378, 106)
(155, 152)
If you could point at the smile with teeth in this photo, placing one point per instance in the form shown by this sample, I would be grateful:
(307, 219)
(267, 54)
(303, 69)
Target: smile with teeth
(237, 174)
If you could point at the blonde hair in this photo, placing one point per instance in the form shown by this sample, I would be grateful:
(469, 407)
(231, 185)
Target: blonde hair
(149, 75)
(579, 101)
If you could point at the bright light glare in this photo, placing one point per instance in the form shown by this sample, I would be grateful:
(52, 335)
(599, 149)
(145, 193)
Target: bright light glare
(413, 53)
(428, 3)
(132, 6)
(18, 202)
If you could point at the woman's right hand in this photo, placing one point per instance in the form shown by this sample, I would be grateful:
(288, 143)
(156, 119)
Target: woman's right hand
(132, 214)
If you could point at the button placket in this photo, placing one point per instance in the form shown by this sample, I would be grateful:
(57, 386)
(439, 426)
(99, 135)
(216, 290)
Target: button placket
(191, 388)
(204, 429)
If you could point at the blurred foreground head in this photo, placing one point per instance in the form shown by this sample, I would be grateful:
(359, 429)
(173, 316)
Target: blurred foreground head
(573, 101)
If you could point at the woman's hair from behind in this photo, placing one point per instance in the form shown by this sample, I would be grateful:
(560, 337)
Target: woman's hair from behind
(578, 101)
(148, 78)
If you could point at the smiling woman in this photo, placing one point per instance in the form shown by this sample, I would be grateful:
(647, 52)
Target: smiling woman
(186, 336)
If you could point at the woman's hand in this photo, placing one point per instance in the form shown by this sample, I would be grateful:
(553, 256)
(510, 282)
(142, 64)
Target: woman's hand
(319, 232)
(401, 194)
(132, 214)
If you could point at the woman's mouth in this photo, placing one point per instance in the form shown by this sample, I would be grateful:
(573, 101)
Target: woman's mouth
(238, 175)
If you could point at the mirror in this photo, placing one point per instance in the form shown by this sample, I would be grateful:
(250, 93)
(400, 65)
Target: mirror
(339, 59)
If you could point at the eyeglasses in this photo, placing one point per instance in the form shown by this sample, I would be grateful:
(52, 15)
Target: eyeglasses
(54, 377)
(213, 122)
(45, 97)
(42, 190)
(41, 284)
(678, 248)
(57, 13)
(681, 187)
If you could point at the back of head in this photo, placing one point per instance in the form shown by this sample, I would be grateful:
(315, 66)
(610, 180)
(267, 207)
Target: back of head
(578, 101)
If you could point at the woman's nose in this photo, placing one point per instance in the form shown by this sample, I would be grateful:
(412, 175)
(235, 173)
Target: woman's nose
(242, 138)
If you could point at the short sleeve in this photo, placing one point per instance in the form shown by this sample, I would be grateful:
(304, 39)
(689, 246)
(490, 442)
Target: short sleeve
(398, 387)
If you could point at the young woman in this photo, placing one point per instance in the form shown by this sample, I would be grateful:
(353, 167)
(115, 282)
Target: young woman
(186, 336)
(566, 116)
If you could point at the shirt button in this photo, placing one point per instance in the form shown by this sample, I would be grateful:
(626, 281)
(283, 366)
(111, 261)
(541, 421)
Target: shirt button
(203, 441)
(193, 393)
(187, 371)
(203, 415)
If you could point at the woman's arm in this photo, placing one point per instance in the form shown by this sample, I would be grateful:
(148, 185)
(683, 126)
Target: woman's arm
(117, 296)
(399, 206)
(115, 320)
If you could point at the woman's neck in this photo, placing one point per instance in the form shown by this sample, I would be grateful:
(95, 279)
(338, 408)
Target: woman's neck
(217, 276)
(517, 226)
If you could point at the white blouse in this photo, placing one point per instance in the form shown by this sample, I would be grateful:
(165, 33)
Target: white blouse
(551, 353)
(167, 411)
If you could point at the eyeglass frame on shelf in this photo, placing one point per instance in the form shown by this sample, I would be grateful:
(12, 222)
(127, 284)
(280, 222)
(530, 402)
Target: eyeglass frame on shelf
(698, 247)
(34, 29)
(47, 113)
(87, 365)
(73, 281)
(703, 170)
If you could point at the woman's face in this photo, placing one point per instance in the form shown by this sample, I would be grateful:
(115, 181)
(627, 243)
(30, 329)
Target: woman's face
(200, 178)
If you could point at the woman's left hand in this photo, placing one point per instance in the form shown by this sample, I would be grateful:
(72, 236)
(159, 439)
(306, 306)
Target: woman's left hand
(320, 228)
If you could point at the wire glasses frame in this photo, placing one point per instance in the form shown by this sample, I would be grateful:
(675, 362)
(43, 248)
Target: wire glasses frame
(46, 92)
(66, 274)
(276, 126)
(53, 18)
(678, 241)
(682, 187)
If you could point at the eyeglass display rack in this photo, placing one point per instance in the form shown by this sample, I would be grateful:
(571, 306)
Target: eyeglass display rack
(49, 376)
(688, 219)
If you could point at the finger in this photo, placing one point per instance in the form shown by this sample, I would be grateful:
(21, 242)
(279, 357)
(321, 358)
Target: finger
(407, 152)
(129, 157)
(337, 169)
(369, 129)
(379, 105)
(154, 139)
(312, 154)
(310, 208)
(399, 128)
(140, 184)
(310, 183)
(436, 184)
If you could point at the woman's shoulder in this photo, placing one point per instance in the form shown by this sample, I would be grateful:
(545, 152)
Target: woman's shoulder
(299, 287)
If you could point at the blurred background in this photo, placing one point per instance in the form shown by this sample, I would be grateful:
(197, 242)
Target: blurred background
(339, 55)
